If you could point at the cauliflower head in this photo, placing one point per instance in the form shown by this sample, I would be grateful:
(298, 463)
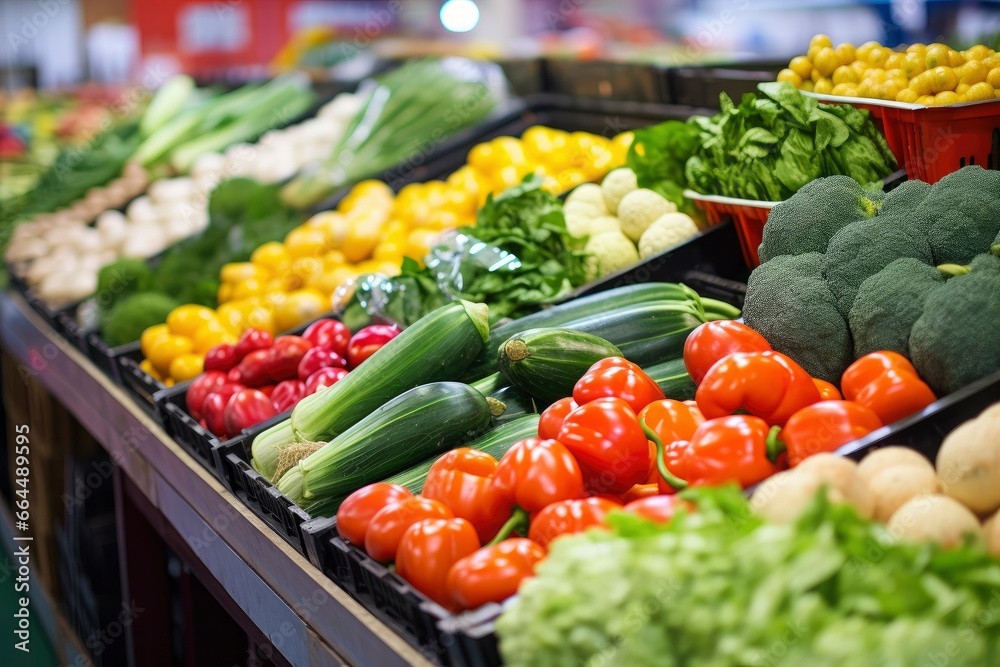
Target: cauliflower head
(618, 183)
(613, 252)
(639, 208)
(667, 231)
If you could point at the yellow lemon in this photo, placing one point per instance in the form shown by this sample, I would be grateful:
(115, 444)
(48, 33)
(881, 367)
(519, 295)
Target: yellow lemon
(895, 60)
(165, 350)
(305, 241)
(235, 272)
(271, 255)
(845, 90)
(622, 142)
(801, 66)
(247, 288)
(419, 242)
(187, 367)
(300, 307)
(361, 241)
(943, 79)
(390, 250)
(844, 74)
(912, 65)
(846, 53)
(791, 77)
(185, 320)
(152, 334)
(224, 293)
(826, 61)
(820, 40)
(878, 56)
(859, 67)
(823, 86)
(861, 53)
(209, 335)
(936, 56)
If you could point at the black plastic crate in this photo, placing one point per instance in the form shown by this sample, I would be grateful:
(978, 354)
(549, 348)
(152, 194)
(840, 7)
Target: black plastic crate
(605, 79)
(526, 76)
(146, 391)
(71, 329)
(105, 357)
(701, 86)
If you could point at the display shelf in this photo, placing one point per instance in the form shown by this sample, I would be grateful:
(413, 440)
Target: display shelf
(279, 591)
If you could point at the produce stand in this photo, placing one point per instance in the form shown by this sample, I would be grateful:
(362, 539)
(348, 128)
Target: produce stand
(258, 575)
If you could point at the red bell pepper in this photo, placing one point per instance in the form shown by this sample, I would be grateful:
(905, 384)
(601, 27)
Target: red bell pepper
(317, 358)
(569, 516)
(199, 390)
(287, 394)
(738, 448)
(251, 341)
(535, 473)
(428, 550)
(552, 417)
(888, 384)
(607, 441)
(827, 390)
(357, 510)
(616, 377)
(387, 526)
(246, 408)
(323, 378)
(713, 341)
(826, 426)
(768, 385)
(640, 491)
(286, 354)
(222, 357)
(493, 573)
(659, 508)
(461, 479)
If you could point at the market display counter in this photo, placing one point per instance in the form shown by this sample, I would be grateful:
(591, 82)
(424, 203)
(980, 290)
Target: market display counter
(284, 599)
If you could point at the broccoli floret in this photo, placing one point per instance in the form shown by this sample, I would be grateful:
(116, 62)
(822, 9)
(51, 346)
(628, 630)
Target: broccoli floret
(887, 305)
(133, 315)
(789, 303)
(954, 341)
(963, 211)
(121, 279)
(808, 219)
(862, 249)
(906, 196)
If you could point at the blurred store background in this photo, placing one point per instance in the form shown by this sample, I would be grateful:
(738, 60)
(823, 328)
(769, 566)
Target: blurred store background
(52, 43)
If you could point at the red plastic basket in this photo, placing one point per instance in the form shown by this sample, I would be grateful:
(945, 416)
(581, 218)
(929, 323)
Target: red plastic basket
(932, 142)
(748, 215)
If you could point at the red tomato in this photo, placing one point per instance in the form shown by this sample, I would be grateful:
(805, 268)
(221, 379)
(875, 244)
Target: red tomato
(387, 526)
(251, 340)
(357, 510)
(199, 390)
(553, 416)
(246, 408)
(215, 405)
(286, 354)
(221, 358)
(329, 333)
(317, 358)
(287, 394)
(323, 378)
(370, 340)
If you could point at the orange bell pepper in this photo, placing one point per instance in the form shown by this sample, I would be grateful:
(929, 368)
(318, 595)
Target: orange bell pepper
(888, 384)
(826, 426)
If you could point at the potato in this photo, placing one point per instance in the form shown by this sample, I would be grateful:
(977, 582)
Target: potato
(783, 497)
(890, 457)
(991, 531)
(841, 474)
(892, 487)
(968, 463)
(934, 518)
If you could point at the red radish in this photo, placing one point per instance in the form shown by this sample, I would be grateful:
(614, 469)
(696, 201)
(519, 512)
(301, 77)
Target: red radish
(368, 341)
(286, 354)
(215, 405)
(287, 394)
(254, 369)
(221, 358)
(329, 333)
(317, 358)
(324, 377)
(251, 340)
(246, 408)
(199, 390)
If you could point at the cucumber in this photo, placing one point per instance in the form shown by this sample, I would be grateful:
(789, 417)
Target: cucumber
(576, 310)
(547, 363)
(417, 424)
(673, 379)
(438, 347)
(495, 443)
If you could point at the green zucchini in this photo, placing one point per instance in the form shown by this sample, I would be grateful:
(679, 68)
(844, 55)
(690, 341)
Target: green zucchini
(516, 403)
(491, 383)
(673, 379)
(417, 424)
(495, 443)
(438, 347)
(547, 363)
(576, 310)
